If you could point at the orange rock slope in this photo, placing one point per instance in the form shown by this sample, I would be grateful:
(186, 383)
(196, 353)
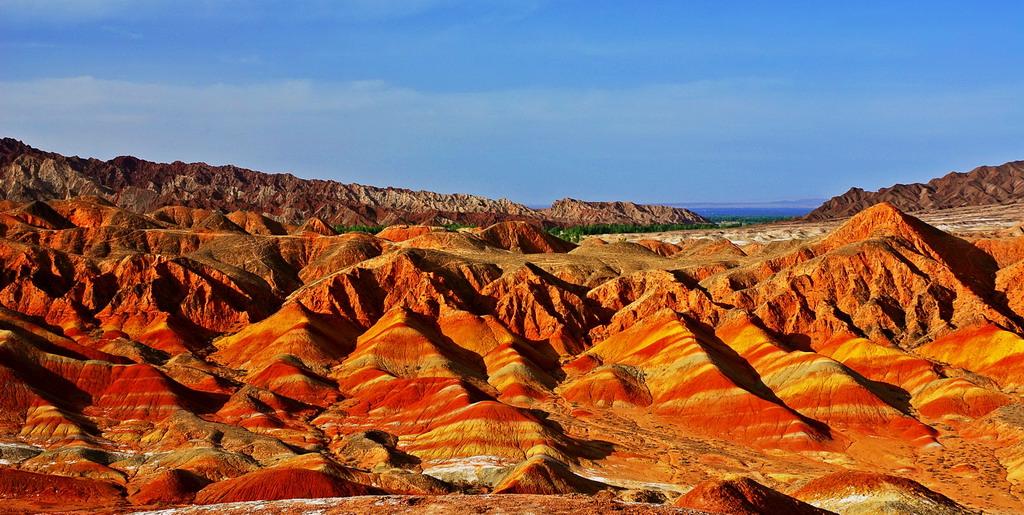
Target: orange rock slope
(190, 357)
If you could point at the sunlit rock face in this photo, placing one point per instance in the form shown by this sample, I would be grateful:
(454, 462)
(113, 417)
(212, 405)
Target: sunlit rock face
(186, 356)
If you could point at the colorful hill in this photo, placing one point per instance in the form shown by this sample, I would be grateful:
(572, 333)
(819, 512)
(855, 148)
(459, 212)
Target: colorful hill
(185, 356)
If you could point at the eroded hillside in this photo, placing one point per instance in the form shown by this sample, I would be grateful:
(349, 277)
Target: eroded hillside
(188, 357)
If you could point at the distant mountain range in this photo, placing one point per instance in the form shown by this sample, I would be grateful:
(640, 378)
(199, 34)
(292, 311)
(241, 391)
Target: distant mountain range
(984, 185)
(28, 174)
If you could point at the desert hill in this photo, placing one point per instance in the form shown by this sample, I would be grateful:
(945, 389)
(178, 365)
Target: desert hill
(185, 357)
(28, 174)
(982, 186)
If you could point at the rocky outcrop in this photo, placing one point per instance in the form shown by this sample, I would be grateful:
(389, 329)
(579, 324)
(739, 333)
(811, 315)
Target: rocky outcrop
(743, 496)
(984, 185)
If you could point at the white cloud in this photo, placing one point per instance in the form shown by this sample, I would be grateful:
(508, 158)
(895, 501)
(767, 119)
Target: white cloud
(667, 142)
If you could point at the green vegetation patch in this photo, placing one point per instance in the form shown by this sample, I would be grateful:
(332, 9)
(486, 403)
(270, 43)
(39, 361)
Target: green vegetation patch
(372, 229)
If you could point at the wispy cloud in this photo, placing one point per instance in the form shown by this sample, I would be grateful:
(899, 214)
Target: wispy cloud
(705, 140)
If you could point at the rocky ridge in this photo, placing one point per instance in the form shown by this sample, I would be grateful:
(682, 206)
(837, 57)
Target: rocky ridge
(984, 185)
(594, 213)
(28, 174)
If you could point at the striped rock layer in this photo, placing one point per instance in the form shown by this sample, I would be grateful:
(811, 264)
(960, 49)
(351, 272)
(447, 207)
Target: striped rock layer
(186, 356)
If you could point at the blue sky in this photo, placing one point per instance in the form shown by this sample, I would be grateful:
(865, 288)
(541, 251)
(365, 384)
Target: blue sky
(659, 101)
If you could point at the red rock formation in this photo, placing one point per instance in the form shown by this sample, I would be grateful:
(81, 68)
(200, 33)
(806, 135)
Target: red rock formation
(98, 212)
(680, 371)
(743, 496)
(609, 386)
(660, 247)
(170, 486)
(548, 476)
(255, 223)
(864, 492)
(523, 238)
(318, 341)
(820, 388)
(287, 376)
(184, 352)
(397, 233)
(448, 241)
(335, 254)
(18, 487)
(315, 225)
(538, 307)
(985, 349)
(882, 274)
(180, 215)
(273, 484)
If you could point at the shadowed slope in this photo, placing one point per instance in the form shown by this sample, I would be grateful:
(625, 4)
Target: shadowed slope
(168, 361)
(684, 374)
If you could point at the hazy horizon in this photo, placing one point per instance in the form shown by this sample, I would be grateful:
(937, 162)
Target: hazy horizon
(665, 103)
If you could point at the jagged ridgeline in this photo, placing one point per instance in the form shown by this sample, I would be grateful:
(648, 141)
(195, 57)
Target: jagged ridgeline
(28, 174)
(985, 185)
(184, 356)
